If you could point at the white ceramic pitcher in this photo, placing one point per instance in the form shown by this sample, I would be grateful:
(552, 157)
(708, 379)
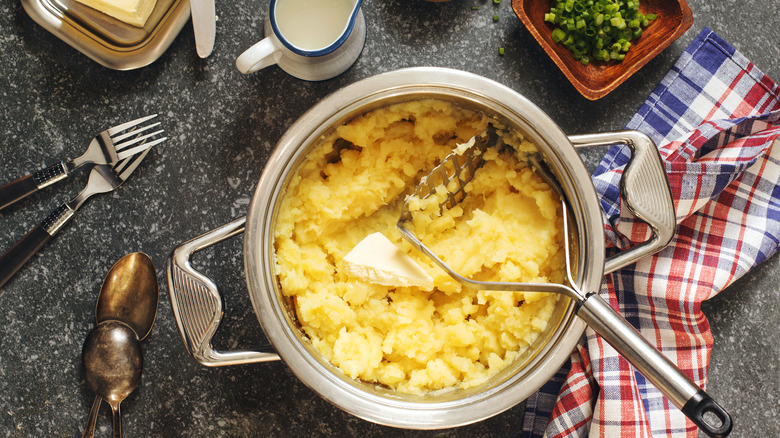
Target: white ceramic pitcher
(312, 40)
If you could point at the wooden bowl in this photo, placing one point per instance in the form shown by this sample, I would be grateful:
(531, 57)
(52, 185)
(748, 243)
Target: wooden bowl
(598, 78)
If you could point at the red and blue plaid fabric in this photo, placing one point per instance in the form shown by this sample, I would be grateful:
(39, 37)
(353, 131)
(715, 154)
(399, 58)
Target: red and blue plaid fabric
(715, 117)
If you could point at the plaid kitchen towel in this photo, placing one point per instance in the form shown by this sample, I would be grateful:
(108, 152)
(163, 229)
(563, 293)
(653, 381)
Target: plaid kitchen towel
(715, 117)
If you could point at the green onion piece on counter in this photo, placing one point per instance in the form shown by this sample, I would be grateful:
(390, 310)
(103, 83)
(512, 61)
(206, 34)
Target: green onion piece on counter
(596, 29)
(495, 18)
(501, 51)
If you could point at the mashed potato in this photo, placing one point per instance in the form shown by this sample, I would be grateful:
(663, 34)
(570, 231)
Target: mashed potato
(508, 229)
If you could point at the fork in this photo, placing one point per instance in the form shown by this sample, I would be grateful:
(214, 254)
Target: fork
(102, 179)
(108, 147)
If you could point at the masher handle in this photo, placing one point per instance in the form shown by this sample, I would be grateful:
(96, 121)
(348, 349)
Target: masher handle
(665, 375)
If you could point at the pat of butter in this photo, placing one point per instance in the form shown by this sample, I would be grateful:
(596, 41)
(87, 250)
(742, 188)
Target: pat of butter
(134, 12)
(376, 260)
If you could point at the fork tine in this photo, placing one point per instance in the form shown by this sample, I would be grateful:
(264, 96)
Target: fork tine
(137, 140)
(124, 168)
(129, 152)
(128, 125)
(128, 134)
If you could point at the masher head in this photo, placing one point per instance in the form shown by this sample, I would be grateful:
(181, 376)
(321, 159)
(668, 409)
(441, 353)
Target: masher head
(455, 170)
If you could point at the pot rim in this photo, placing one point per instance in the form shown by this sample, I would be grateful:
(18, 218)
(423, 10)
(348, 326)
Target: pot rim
(446, 409)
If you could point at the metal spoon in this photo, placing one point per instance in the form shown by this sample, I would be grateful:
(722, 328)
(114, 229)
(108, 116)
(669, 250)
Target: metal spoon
(113, 362)
(129, 294)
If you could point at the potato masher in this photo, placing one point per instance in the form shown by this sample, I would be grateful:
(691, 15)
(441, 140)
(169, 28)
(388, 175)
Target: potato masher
(453, 174)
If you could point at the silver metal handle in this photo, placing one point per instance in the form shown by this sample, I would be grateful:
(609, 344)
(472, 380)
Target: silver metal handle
(645, 190)
(197, 303)
(676, 386)
(50, 175)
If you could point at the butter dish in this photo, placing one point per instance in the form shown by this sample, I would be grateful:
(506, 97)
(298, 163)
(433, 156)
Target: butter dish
(106, 40)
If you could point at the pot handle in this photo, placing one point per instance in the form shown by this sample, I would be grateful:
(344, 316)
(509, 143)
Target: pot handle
(197, 303)
(644, 189)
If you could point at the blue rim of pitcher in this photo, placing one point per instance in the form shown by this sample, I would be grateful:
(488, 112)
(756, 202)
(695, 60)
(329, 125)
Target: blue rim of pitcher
(324, 51)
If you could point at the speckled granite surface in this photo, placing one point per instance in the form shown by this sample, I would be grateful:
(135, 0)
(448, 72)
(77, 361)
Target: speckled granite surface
(222, 127)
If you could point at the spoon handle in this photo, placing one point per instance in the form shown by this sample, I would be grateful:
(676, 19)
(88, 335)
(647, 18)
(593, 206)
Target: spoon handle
(117, 416)
(89, 429)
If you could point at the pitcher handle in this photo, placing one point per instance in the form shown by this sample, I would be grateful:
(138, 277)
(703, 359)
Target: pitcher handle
(644, 188)
(265, 53)
(197, 303)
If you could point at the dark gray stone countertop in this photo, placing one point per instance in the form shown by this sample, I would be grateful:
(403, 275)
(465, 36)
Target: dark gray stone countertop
(222, 127)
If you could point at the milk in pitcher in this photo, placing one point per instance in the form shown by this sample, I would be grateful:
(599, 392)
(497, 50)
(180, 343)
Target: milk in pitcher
(313, 24)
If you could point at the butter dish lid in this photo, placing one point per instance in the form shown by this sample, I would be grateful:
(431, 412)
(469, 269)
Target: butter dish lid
(106, 40)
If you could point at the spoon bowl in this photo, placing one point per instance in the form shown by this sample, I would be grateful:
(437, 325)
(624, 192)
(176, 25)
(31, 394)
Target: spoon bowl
(113, 362)
(130, 294)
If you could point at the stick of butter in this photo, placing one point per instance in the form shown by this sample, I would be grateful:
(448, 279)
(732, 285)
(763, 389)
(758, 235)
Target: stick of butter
(376, 260)
(134, 12)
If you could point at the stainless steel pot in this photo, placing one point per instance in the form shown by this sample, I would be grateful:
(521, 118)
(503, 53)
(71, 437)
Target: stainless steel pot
(197, 304)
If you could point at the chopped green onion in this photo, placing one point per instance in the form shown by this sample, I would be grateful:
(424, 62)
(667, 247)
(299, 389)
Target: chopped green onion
(474, 8)
(617, 22)
(501, 51)
(558, 35)
(495, 18)
(596, 29)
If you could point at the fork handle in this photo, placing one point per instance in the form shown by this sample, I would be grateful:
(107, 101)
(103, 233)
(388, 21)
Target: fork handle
(27, 185)
(32, 242)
